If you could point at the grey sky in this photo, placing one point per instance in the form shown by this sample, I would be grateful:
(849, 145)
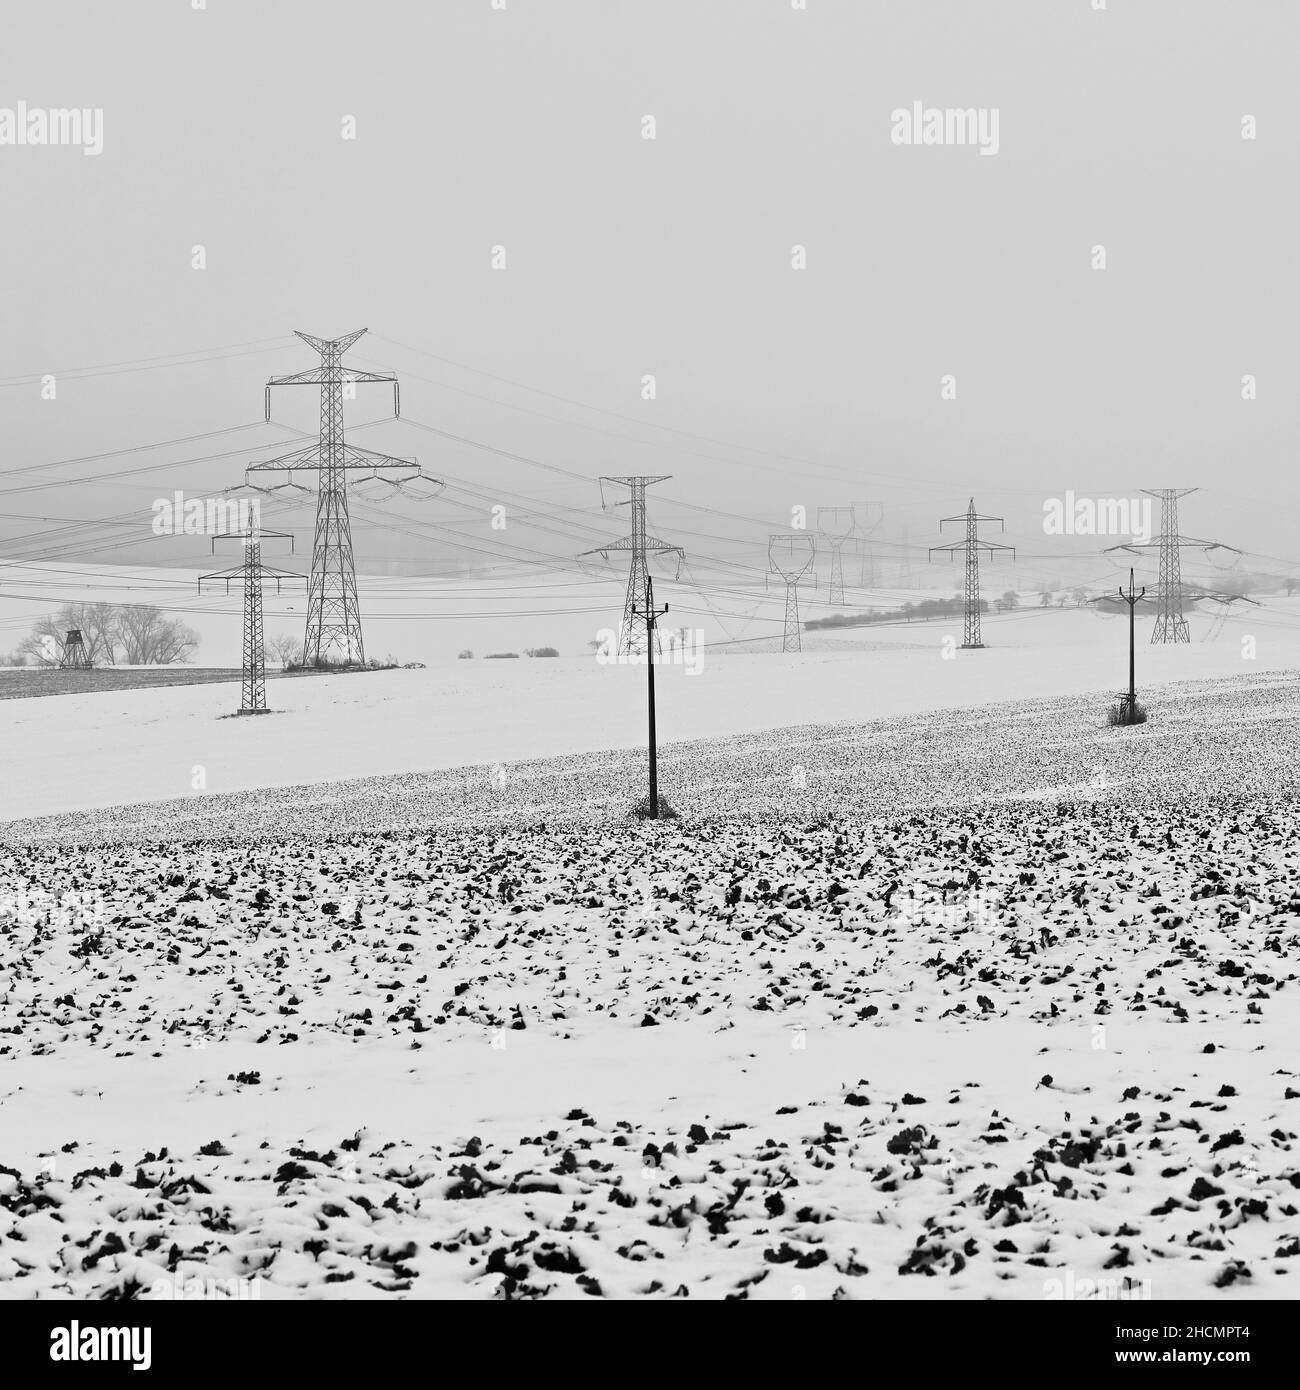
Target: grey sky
(522, 128)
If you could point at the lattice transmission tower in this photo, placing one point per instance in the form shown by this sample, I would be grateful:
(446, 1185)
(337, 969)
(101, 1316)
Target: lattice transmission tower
(792, 571)
(251, 573)
(1171, 620)
(867, 516)
(972, 545)
(634, 635)
(333, 631)
(835, 525)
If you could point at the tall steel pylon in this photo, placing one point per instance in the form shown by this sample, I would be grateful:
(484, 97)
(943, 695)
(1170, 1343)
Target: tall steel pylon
(835, 530)
(972, 545)
(792, 572)
(1171, 621)
(867, 516)
(333, 631)
(251, 573)
(634, 635)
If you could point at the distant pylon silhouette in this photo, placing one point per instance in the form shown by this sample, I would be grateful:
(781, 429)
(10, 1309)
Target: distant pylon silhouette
(835, 530)
(251, 574)
(971, 545)
(866, 517)
(333, 631)
(1171, 621)
(634, 635)
(74, 657)
(792, 572)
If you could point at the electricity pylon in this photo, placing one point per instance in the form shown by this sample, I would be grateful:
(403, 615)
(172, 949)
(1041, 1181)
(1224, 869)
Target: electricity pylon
(1171, 622)
(74, 656)
(792, 572)
(333, 632)
(833, 528)
(251, 573)
(863, 530)
(972, 545)
(635, 634)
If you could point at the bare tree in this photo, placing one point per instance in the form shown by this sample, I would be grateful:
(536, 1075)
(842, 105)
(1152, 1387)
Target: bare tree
(44, 642)
(96, 623)
(150, 639)
(284, 648)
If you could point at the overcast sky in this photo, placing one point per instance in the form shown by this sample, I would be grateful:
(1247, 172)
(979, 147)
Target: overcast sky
(522, 128)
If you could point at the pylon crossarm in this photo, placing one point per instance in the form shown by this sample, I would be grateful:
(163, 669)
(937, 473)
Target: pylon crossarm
(603, 550)
(306, 457)
(630, 543)
(257, 533)
(313, 376)
(630, 482)
(1208, 545)
(354, 456)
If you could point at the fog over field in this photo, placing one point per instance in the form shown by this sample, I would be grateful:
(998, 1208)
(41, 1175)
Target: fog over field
(648, 652)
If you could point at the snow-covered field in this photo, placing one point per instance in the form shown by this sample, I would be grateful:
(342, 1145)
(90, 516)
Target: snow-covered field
(101, 750)
(993, 1002)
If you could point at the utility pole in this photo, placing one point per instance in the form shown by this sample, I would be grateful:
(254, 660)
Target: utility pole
(832, 528)
(1171, 622)
(251, 574)
(1130, 709)
(333, 632)
(972, 546)
(639, 544)
(651, 616)
(792, 572)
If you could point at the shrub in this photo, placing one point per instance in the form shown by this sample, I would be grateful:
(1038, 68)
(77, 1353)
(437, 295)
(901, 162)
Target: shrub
(642, 809)
(540, 651)
(466, 655)
(501, 656)
(1121, 713)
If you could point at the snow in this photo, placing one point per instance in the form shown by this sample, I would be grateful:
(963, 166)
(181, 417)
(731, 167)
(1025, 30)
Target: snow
(925, 995)
(109, 748)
